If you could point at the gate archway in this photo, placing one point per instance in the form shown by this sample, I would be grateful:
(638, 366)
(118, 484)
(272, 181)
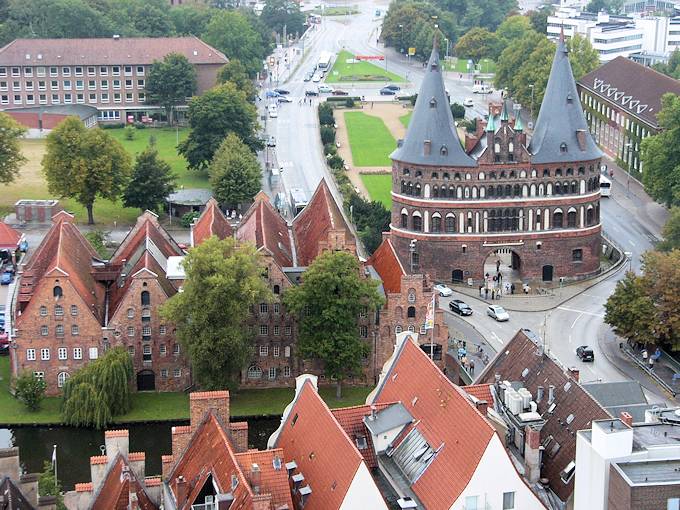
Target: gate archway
(505, 261)
(146, 380)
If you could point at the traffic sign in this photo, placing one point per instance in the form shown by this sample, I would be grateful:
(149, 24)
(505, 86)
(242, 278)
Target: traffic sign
(411, 51)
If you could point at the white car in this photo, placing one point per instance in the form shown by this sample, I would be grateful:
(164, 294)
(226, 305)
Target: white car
(497, 313)
(325, 88)
(273, 111)
(443, 290)
(468, 102)
(316, 78)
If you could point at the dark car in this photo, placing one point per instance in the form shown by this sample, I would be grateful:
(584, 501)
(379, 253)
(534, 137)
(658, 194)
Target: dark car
(460, 307)
(385, 91)
(585, 353)
(283, 92)
(271, 93)
(284, 99)
(311, 93)
(396, 88)
(340, 92)
(6, 278)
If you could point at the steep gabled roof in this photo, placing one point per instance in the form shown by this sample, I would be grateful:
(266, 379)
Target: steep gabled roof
(523, 360)
(351, 419)
(480, 391)
(432, 122)
(13, 497)
(387, 264)
(561, 134)
(320, 220)
(273, 474)
(9, 238)
(211, 222)
(264, 227)
(210, 453)
(146, 231)
(445, 419)
(119, 482)
(326, 457)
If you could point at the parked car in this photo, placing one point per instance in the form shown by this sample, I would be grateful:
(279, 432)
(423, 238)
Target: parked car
(311, 93)
(323, 88)
(396, 88)
(23, 246)
(273, 111)
(387, 92)
(481, 89)
(2, 317)
(284, 99)
(497, 313)
(282, 92)
(460, 307)
(6, 278)
(271, 93)
(585, 353)
(271, 142)
(443, 290)
(340, 92)
(316, 78)
(468, 101)
(308, 76)
(9, 268)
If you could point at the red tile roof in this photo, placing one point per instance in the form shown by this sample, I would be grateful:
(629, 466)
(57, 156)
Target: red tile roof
(521, 354)
(387, 264)
(328, 459)
(444, 417)
(272, 480)
(9, 238)
(210, 452)
(351, 419)
(264, 227)
(211, 222)
(107, 51)
(480, 391)
(318, 224)
(146, 228)
(114, 493)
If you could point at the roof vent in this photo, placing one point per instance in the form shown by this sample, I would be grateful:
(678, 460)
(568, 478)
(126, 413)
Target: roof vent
(195, 53)
(427, 147)
(570, 98)
(525, 372)
(444, 150)
(39, 56)
(433, 103)
(581, 138)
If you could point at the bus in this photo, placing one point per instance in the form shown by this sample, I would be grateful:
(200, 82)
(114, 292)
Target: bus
(298, 200)
(324, 61)
(605, 186)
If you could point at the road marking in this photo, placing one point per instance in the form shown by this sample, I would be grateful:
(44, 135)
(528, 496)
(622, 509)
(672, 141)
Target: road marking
(570, 335)
(631, 242)
(497, 338)
(574, 323)
(580, 311)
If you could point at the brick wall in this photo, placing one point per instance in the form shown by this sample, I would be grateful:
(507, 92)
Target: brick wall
(239, 436)
(648, 497)
(203, 402)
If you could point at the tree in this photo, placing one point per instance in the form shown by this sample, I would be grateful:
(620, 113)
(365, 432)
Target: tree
(221, 110)
(328, 303)
(630, 311)
(85, 164)
(236, 73)
(223, 281)
(48, 485)
(138, 18)
(661, 154)
(30, 390)
(190, 19)
(11, 158)
(582, 56)
(671, 232)
(458, 111)
(278, 14)
(672, 68)
(97, 239)
(371, 220)
(231, 32)
(327, 135)
(170, 82)
(326, 117)
(539, 18)
(476, 44)
(152, 181)
(512, 29)
(609, 6)
(99, 391)
(235, 173)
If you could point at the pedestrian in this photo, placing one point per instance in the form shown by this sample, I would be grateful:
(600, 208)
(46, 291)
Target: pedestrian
(493, 294)
(486, 292)
(472, 367)
(480, 290)
(651, 363)
(644, 354)
(512, 288)
(498, 266)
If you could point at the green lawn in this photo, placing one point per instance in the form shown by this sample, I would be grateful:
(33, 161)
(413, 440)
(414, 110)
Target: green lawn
(337, 11)
(370, 141)
(359, 71)
(169, 406)
(406, 119)
(379, 187)
(459, 65)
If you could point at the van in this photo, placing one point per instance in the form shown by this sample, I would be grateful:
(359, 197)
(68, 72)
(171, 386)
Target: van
(481, 89)
(273, 111)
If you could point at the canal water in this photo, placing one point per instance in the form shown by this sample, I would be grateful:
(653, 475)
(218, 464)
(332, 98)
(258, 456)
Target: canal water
(75, 446)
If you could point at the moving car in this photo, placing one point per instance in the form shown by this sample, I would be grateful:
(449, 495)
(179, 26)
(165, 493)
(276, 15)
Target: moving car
(468, 102)
(481, 89)
(282, 92)
(271, 142)
(497, 313)
(460, 307)
(308, 76)
(443, 290)
(585, 353)
(385, 91)
(284, 99)
(340, 92)
(396, 88)
(316, 78)
(325, 88)
(311, 93)
(6, 278)
(271, 93)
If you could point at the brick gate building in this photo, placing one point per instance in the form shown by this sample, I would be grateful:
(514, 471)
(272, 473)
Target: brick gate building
(537, 199)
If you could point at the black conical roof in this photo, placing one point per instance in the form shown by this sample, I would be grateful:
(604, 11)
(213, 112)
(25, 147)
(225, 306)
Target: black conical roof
(432, 121)
(561, 118)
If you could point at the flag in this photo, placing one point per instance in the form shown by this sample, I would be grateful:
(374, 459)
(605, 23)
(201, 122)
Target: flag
(429, 318)
(54, 455)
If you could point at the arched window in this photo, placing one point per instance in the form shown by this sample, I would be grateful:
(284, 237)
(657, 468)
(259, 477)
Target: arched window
(492, 176)
(444, 150)
(435, 175)
(489, 191)
(492, 221)
(546, 172)
(590, 215)
(446, 176)
(436, 222)
(581, 170)
(61, 379)
(503, 175)
(481, 176)
(468, 176)
(499, 191)
(523, 174)
(474, 191)
(558, 188)
(59, 311)
(570, 171)
(508, 190)
(406, 171)
(557, 218)
(57, 292)
(276, 289)
(417, 222)
(558, 172)
(513, 174)
(403, 186)
(507, 220)
(411, 312)
(146, 298)
(456, 176)
(404, 220)
(516, 190)
(418, 174)
(417, 189)
(409, 189)
(459, 192)
(450, 223)
(435, 191)
(452, 192)
(574, 187)
(43, 311)
(563, 147)
(254, 372)
(467, 192)
(571, 218)
(497, 145)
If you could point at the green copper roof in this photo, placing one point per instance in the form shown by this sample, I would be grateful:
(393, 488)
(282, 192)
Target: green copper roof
(504, 112)
(518, 123)
(491, 125)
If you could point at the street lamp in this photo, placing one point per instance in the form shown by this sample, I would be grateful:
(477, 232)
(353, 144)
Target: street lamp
(627, 161)
(629, 256)
(531, 109)
(447, 48)
(401, 39)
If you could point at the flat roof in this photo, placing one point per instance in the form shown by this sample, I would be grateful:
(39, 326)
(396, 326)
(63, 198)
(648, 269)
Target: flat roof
(610, 426)
(651, 471)
(655, 434)
(389, 418)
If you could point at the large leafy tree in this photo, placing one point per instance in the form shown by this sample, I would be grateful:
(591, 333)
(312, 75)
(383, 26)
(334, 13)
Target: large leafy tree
(279, 13)
(672, 68)
(409, 25)
(139, 17)
(328, 303)
(513, 28)
(11, 158)
(235, 174)
(671, 232)
(190, 19)
(371, 220)
(582, 56)
(630, 311)
(661, 154)
(152, 181)
(223, 281)
(235, 72)
(85, 164)
(221, 110)
(477, 43)
(170, 82)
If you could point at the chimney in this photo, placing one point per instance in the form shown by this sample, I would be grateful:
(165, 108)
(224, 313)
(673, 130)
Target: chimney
(581, 139)
(551, 394)
(202, 402)
(482, 406)
(167, 462)
(427, 147)
(181, 490)
(97, 470)
(539, 394)
(470, 142)
(532, 454)
(372, 415)
(627, 418)
(255, 478)
(574, 373)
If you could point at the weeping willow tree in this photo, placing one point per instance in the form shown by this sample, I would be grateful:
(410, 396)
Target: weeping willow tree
(99, 391)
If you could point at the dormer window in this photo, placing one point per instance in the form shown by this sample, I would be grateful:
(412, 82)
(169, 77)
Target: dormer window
(433, 103)
(563, 147)
(443, 151)
(570, 99)
(406, 171)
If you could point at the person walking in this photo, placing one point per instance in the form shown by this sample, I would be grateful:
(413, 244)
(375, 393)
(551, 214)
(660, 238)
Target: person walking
(498, 266)
(493, 294)
(486, 292)
(472, 367)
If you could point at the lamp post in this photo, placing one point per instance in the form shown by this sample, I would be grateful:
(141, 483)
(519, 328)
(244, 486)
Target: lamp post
(447, 48)
(629, 256)
(531, 108)
(401, 39)
(627, 161)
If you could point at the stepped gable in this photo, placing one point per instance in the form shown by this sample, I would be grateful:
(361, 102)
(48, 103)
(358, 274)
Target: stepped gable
(64, 251)
(431, 137)
(386, 262)
(119, 482)
(561, 134)
(264, 227)
(273, 474)
(211, 222)
(444, 417)
(321, 226)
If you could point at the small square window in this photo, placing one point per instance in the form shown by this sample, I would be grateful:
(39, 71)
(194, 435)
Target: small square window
(277, 330)
(264, 350)
(131, 350)
(164, 373)
(264, 329)
(286, 371)
(45, 354)
(162, 330)
(30, 354)
(287, 330)
(75, 331)
(276, 350)
(163, 350)
(74, 310)
(44, 330)
(577, 255)
(63, 353)
(93, 352)
(43, 311)
(77, 353)
(177, 372)
(272, 372)
(175, 349)
(130, 331)
(264, 308)
(508, 501)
